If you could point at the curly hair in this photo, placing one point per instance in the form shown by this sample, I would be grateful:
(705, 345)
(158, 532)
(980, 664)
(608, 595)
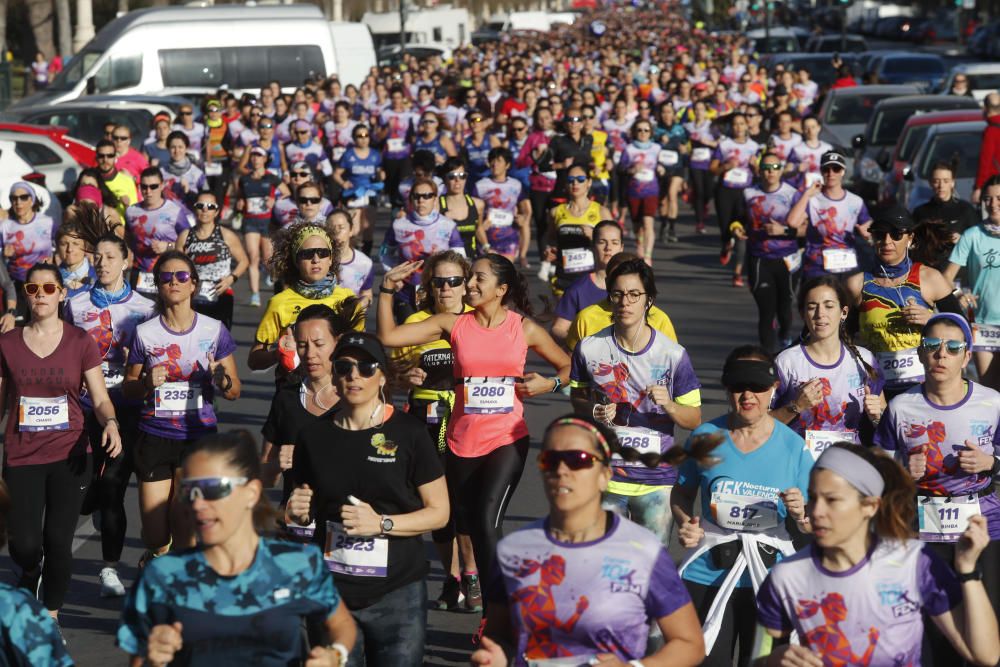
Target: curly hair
(443, 257)
(282, 263)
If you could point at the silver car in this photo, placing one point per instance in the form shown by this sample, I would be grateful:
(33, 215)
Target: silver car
(958, 143)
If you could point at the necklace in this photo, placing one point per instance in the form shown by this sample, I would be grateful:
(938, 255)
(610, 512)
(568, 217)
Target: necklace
(315, 394)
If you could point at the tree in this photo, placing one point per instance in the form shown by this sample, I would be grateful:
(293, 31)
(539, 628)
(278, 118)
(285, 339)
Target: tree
(65, 28)
(41, 18)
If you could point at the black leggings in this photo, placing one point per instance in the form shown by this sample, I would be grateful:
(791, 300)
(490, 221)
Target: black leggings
(540, 217)
(771, 286)
(730, 207)
(110, 482)
(395, 171)
(45, 505)
(937, 650)
(221, 309)
(480, 488)
(739, 624)
(702, 184)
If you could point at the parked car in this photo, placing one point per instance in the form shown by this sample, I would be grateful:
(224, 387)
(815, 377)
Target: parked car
(926, 70)
(86, 121)
(935, 30)
(45, 157)
(845, 111)
(780, 40)
(896, 162)
(81, 151)
(818, 64)
(984, 78)
(883, 131)
(895, 27)
(984, 36)
(958, 143)
(836, 44)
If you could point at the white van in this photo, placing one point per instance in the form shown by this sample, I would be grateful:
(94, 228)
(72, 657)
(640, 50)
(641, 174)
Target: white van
(445, 25)
(240, 46)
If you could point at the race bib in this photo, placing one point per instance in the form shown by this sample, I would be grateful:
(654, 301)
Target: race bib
(114, 374)
(338, 152)
(256, 205)
(986, 337)
(489, 395)
(643, 440)
(146, 282)
(701, 154)
(744, 513)
(577, 260)
(304, 533)
(213, 169)
(500, 218)
(432, 416)
(737, 176)
(549, 174)
(645, 175)
(668, 158)
(206, 290)
(396, 145)
(838, 260)
(173, 399)
(945, 519)
(793, 262)
(817, 442)
(901, 367)
(43, 414)
(812, 177)
(357, 556)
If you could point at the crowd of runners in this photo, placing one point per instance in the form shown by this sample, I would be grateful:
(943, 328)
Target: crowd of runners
(841, 511)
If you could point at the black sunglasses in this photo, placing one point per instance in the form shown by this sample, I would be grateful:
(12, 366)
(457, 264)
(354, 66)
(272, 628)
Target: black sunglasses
(308, 254)
(166, 277)
(149, 186)
(451, 281)
(301, 174)
(422, 196)
(20, 197)
(575, 459)
(118, 137)
(105, 156)
(310, 200)
(266, 126)
(205, 206)
(343, 367)
(880, 234)
(456, 175)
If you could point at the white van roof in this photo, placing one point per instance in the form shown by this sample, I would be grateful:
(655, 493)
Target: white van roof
(179, 14)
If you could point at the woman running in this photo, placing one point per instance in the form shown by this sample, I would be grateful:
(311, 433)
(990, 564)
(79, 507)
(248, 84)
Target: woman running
(641, 384)
(176, 363)
(219, 256)
(257, 192)
(182, 178)
(487, 435)
(802, 166)
(704, 140)
(859, 593)
(430, 138)
(640, 164)
(43, 367)
(571, 230)
(466, 210)
(432, 400)
(752, 504)
(110, 313)
(673, 138)
(600, 581)
(237, 596)
(359, 170)
(26, 236)
(828, 386)
(734, 162)
(356, 271)
(476, 147)
(373, 496)
(591, 288)
(507, 211)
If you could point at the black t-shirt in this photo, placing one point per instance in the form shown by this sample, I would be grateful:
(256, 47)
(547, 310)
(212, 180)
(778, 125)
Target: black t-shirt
(284, 421)
(383, 467)
(563, 147)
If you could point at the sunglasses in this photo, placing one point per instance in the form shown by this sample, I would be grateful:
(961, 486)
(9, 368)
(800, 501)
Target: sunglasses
(895, 234)
(456, 175)
(519, 128)
(120, 138)
(588, 116)
(574, 119)
(212, 109)
(770, 167)
(748, 386)
(361, 135)
(209, 488)
(20, 197)
(301, 174)
(31, 289)
(575, 459)
(184, 113)
(266, 126)
(310, 200)
(642, 130)
(205, 206)
(145, 187)
(422, 196)
(166, 277)
(934, 344)
(428, 122)
(832, 167)
(308, 254)
(576, 179)
(450, 281)
(476, 120)
(343, 367)
(105, 156)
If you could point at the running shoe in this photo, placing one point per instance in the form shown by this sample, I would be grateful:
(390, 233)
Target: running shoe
(473, 592)
(544, 270)
(700, 228)
(672, 234)
(111, 585)
(451, 596)
(738, 281)
(255, 300)
(268, 280)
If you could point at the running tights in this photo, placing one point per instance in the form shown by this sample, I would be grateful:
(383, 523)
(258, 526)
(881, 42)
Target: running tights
(540, 217)
(395, 171)
(110, 482)
(701, 187)
(480, 488)
(771, 286)
(45, 505)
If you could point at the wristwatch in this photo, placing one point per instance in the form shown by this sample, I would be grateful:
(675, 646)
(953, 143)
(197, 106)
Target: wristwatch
(386, 524)
(382, 289)
(975, 575)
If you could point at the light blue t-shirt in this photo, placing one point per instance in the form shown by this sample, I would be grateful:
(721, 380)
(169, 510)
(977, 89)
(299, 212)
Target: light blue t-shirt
(979, 252)
(781, 463)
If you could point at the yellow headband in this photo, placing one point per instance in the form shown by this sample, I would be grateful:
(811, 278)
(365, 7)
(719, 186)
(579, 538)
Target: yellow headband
(306, 232)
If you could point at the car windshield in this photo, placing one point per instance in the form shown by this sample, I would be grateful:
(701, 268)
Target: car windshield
(910, 142)
(776, 45)
(851, 109)
(914, 66)
(77, 69)
(889, 124)
(989, 82)
(959, 148)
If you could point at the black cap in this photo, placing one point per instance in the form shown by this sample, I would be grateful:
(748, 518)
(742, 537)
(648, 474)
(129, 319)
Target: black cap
(833, 158)
(754, 372)
(893, 217)
(365, 342)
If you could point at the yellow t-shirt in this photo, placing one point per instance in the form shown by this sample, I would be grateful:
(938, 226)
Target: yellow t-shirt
(123, 185)
(599, 155)
(594, 318)
(283, 309)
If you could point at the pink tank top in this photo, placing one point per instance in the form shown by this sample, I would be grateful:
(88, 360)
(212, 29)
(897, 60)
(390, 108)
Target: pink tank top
(486, 353)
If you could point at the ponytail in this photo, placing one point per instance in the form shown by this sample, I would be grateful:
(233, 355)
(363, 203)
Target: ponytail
(517, 287)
